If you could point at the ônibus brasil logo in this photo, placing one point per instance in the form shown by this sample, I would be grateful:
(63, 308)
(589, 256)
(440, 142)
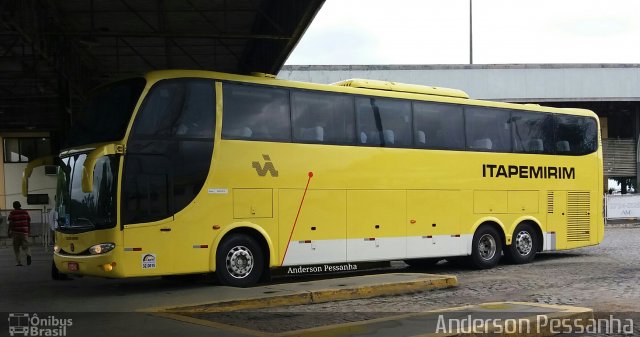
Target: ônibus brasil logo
(23, 324)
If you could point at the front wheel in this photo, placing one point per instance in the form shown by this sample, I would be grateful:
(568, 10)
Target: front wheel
(487, 248)
(523, 245)
(56, 274)
(239, 261)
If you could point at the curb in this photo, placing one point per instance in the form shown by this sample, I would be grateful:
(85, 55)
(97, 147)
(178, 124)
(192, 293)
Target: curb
(421, 283)
(577, 316)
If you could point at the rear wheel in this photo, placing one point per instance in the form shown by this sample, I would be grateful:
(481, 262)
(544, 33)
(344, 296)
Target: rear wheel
(487, 248)
(523, 245)
(239, 261)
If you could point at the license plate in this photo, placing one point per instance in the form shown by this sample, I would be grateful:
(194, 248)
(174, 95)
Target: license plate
(72, 266)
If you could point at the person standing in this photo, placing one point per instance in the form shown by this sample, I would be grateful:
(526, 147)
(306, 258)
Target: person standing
(19, 225)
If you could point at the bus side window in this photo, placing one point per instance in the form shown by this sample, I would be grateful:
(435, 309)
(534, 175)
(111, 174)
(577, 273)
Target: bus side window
(320, 117)
(177, 108)
(246, 132)
(197, 116)
(385, 122)
(438, 126)
(482, 144)
(239, 133)
(363, 137)
(532, 132)
(256, 112)
(535, 145)
(174, 126)
(389, 137)
(488, 129)
(421, 137)
(562, 146)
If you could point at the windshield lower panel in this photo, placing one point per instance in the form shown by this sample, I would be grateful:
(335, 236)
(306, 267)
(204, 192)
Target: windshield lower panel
(78, 211)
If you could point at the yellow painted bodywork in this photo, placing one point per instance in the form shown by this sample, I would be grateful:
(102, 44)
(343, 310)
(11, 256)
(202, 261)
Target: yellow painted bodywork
(26, 173)
(355, 192)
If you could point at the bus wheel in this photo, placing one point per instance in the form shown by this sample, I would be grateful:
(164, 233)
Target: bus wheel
(422, 263)
(523, 245)
(240, 261)
(487, 248)
(56, 274)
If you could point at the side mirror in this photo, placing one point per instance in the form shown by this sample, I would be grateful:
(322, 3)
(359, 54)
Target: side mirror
(90, 163)
(26, 174)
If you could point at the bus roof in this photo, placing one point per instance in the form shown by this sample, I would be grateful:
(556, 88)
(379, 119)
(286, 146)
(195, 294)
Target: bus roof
(401, 87)
(367, 87)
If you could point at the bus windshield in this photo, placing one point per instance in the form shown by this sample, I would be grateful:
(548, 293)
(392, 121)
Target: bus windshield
(79, 211)
(106, 114)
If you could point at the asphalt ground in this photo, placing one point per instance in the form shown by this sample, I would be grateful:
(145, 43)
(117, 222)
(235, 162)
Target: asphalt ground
(604, 278)
(133, 307)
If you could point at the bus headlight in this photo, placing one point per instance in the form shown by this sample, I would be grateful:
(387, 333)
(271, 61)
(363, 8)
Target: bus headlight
(56, 249)
(102, 248)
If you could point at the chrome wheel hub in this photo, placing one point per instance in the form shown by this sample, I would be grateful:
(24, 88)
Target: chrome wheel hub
(239, 262)
(487, 247)
(524, 243)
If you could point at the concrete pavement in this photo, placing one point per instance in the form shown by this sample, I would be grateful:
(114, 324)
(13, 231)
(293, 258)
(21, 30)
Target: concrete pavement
(197, 307)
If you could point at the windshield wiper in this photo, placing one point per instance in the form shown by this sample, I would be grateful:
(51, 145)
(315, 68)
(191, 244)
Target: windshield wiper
(88, 222)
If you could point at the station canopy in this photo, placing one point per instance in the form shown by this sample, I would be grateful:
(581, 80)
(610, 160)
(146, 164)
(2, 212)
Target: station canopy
(53, 52)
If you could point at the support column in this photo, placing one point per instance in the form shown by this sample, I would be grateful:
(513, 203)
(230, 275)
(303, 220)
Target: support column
(59, 139)
(636, 132)
(3, 198)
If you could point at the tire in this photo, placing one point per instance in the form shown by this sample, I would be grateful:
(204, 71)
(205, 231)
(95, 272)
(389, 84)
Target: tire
(487, 248)
(524, 245)
(56, 274)
(239, 261)
(423, 263)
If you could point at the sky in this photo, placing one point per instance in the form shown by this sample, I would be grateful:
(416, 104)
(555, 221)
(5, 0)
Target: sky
(504, 31)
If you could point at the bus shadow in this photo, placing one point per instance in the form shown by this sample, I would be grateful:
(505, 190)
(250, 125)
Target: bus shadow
(195, 281)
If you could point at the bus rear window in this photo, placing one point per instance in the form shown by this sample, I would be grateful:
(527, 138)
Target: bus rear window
(575, 135)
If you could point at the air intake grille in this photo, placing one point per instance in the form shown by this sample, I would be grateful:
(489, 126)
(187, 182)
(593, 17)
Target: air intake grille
(578, 216)
(550, 202)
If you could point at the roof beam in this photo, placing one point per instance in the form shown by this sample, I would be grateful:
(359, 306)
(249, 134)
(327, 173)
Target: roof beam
(194, 35)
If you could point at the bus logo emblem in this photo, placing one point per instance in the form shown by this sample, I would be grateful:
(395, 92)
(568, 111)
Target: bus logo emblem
(268, 167)
(149, 261)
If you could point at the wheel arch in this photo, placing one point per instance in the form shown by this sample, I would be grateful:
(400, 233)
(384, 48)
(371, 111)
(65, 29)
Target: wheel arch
(487, 221)
(536, 227)
(247, 228)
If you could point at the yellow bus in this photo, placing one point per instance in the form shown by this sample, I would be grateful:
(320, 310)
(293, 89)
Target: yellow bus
(181, 172)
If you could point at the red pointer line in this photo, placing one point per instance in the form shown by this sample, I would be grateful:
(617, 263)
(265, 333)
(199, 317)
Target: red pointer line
(297, 215)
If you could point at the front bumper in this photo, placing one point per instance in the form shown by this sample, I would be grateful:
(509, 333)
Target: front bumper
(103, 265)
